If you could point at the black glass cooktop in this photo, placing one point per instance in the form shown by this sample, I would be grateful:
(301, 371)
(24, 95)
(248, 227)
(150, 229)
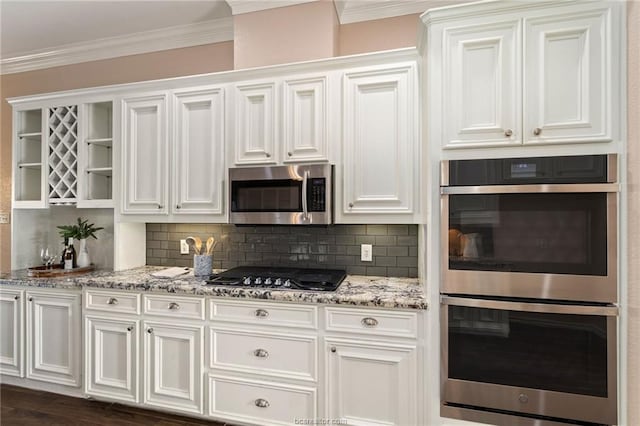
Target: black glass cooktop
(280, 278)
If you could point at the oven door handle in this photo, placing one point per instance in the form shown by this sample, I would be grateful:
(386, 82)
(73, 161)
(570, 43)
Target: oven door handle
(610, 311)
(305, 209)
(542, 188)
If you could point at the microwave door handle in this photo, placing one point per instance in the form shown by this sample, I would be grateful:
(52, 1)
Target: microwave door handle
(305, 210)
(530, 307)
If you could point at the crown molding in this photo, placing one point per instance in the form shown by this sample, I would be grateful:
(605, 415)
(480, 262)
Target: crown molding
(350, 11)
(246, 6)
(206, 32)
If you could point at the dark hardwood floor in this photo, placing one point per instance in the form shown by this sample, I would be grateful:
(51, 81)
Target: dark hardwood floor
(20, 406)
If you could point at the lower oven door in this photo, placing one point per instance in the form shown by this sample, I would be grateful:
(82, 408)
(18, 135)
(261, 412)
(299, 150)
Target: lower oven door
(535, 359)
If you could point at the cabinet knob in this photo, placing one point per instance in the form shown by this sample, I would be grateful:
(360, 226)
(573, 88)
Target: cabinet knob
(261, 353)
(333, 349)
(508, 133)
(149, 330)
(537, 131)
(31, 299)
(369, 322)
(112, 301)
(261, 313)
(16, 297)
(266, 154)
(178, 206)
(262, 403)
(350, 205)
(130, 328)
(289, 154)
(159, 206)
(174, 306)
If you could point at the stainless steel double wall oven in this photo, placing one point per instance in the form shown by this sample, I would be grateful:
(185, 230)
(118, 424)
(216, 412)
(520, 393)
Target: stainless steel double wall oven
(529, 289)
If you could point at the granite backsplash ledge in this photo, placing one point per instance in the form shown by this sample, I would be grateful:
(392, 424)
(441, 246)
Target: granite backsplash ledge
(395, 247)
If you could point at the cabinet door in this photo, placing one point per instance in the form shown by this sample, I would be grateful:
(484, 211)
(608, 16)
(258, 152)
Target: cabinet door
(11, 332)
(173, 366)
(482, 85)
(111, 358)
(198, 152)
(371, 384)
(380, 141)
(144, 154)
(305, 119)
(255, 117)
(53, 337)
(568, 78)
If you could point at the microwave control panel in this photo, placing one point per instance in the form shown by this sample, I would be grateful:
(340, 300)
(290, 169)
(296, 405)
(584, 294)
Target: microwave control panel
(316, 195)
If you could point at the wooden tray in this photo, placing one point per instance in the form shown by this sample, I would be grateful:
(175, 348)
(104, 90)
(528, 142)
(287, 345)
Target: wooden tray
(56, 271)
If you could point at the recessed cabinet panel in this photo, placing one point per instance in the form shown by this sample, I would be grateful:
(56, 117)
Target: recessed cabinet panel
(482, 96)
(370, 383)
(145, 154)
(111, 358)
(198, 152)
(173, 364)
(568, 86)
(53, 338)
(305, 119)
(380, 141)
(255, 124)
(11, 332)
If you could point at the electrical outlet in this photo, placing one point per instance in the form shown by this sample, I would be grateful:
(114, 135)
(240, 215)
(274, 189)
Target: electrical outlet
(5, 217)
(184, 247)
(366, 252)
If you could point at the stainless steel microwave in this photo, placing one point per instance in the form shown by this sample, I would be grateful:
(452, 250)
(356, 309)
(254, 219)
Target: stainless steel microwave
(281, 195)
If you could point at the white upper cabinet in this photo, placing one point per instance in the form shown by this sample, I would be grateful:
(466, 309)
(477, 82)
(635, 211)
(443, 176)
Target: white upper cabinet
(380, 145)
(255, 123)
(482, 80)
(534, 73)
(144, 150)
(198, 152)
(304, 118)
(568, 78)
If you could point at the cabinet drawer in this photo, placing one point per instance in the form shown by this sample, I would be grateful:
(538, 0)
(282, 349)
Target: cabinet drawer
(110, 301)
(260, 402)
(174, 306)
(276, 314)
(374, 322)
(281, 355)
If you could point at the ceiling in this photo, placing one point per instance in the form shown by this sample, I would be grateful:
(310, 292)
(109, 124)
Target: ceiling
(42, 33)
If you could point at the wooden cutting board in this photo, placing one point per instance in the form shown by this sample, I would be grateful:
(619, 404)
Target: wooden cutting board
(56, 271)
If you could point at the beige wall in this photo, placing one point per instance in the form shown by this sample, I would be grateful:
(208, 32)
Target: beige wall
(633, 180)
(381, 34)
(287, 34)
(169, 63)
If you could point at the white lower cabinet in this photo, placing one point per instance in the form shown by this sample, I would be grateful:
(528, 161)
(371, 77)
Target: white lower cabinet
(371, 383)
(173, 362)
(53, 337)
(111, 358)
(11, 332)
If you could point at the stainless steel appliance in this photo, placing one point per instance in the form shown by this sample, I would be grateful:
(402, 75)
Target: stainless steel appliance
(528, 292)
(281, 195)
(280, 278)
(531, 227)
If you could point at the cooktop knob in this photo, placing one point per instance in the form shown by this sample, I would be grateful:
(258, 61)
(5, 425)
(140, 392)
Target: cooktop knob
(267, 281)
(278, 282)
(247, 281)
(258, 280)
(287, 283)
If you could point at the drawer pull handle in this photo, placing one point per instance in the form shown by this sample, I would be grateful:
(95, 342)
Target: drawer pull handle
(369, 322)
(262, 403)
(261, 313)
(149, 330)
(112, 301)
(508, 133)
(174, 306)
(130, 328)
(261, 353)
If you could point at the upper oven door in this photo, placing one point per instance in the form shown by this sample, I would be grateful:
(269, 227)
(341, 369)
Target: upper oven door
(552, 241)
(287, 195)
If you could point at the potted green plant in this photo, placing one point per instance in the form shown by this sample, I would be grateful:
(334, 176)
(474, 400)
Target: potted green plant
(81, 230)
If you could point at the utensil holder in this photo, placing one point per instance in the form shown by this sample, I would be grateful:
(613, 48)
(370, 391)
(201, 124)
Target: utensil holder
(202, 265)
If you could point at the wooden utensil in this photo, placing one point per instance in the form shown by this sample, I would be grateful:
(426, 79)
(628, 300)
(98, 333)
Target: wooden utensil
(191, 241)
(210, 246)
(198, 245)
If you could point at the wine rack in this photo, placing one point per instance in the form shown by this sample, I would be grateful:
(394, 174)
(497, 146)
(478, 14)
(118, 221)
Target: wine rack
(63, 154)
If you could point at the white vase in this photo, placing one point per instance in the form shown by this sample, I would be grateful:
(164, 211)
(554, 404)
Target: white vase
(83, 254)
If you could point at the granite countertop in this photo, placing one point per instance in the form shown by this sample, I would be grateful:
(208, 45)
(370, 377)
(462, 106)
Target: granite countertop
(356, 290)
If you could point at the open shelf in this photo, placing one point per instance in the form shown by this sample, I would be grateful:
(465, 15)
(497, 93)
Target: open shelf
(28, 183)
(104, 171)
(31, 135)
(98, 154)
(106, 142)
(29, 165)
